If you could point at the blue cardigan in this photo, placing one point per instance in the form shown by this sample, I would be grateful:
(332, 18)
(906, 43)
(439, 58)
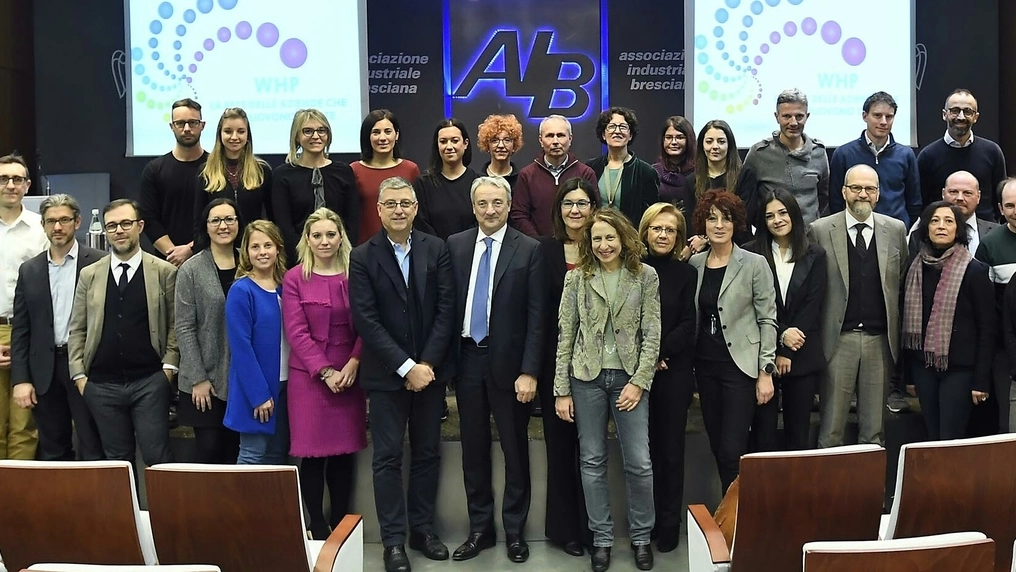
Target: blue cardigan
(254, 331)
(898, 178)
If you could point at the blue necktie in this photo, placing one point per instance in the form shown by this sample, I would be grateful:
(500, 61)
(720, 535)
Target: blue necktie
(478, 313)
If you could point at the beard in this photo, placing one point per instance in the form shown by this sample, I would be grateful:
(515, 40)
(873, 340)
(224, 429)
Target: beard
(185, 143)
(861, 209)
(127, 248)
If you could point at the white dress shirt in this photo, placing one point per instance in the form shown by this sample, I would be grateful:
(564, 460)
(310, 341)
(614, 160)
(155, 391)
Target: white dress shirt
(954, 143)
(869, 231)
(478, 250)
(19, 241)
(784, 269)
(972, 234)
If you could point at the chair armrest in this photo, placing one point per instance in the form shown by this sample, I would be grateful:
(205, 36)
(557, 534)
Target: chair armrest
(709, 531)
(343, 550)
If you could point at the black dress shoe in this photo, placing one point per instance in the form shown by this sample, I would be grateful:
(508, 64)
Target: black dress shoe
(668, 538)
(475, 542)
(573, 548)
(599, 557)
(396, 559)
(429, 544)
(518, 550)
(643, 556)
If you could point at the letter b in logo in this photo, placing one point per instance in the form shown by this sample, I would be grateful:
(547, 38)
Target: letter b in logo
(541, 78)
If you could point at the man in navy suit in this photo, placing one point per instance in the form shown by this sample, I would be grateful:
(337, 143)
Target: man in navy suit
(401, 296)
(499, 303)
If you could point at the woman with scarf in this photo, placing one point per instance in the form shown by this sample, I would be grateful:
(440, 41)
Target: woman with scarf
(948, 323)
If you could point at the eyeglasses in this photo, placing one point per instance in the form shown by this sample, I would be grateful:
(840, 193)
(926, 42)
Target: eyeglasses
(956, 111)
(192, 123)
(310, 131)
(64, 221)
(229, 220)
(622, 127)
(406, 204)
(124, 224)
(506, 141)
(667, 230)
(858, 189)
(679, 137)
(581, 205)
(18, 180)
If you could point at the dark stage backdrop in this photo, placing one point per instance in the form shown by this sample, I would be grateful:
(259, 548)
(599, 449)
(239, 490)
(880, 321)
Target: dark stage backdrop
(430, 58)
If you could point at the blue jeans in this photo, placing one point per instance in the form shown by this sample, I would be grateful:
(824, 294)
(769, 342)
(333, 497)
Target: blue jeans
(265, 449)
(594, 401)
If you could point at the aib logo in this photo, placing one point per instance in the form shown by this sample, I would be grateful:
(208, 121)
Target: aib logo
(554, 81)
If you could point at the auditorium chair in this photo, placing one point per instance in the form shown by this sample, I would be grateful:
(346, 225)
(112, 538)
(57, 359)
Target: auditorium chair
(84, 511)
(243, 517)
(116, 568)
(955, 486)
(953, 552)
(787, 499)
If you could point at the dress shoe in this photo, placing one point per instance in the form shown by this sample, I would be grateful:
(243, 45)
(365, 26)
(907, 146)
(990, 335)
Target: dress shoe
(475, 542)
(518, 550)
(668, 538)
(429, 544)
(599, 557)
(396, 559)
(573, 548)
(643, 556)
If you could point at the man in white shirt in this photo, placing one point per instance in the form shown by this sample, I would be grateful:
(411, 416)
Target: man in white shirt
(21, 238)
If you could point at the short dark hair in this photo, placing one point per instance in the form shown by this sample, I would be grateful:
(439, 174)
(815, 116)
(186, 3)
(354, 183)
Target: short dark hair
(15, 158)
(366, 151)
(572, 184)
(629, 118)
(186, 102)
(727, 203)
(879, 97)
(115, 204)
(929, 211)
(201, 239)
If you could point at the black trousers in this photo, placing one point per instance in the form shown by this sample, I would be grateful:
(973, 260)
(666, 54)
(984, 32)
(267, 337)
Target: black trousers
(668, 417)
(55, 412)
(478, 398)
(798, 397)
(567, 520)
(389, 414)
(216, 445)
(945, 398)
(132, 415)
(728, 405)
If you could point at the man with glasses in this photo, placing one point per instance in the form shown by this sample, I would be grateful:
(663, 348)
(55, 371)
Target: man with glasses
(42, 313)
(122, 346)
(402, 297)
(21, 238)
(168, 185)
(959, 150)
(861, 322)
(789, 160)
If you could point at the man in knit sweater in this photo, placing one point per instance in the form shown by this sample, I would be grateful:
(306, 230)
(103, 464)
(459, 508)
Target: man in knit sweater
(790, 160)
(899, 193)
(959, 150)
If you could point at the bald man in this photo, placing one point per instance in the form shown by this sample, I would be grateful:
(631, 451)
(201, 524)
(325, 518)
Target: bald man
(867, 256)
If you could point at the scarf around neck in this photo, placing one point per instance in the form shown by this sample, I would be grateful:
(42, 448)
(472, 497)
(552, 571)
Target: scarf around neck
(938, 333)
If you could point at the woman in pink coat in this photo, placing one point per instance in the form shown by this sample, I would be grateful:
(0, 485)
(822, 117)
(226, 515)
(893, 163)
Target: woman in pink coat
(327, 408)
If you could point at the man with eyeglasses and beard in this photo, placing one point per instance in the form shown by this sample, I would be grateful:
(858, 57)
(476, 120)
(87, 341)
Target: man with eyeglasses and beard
(21, 238)
(959, 150)
(168, 184)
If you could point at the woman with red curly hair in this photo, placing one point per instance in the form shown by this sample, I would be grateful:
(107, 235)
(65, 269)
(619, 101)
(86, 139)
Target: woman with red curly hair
(500, 136)
(735, 351)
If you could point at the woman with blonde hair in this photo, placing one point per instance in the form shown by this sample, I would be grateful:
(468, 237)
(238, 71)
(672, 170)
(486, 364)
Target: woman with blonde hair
(327, 409)
(500, 136)
(309, 180)
(259, 353)
(233, 172)
(607, 352)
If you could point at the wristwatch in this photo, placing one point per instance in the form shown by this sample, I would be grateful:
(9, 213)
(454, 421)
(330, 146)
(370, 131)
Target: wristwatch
(769, 368)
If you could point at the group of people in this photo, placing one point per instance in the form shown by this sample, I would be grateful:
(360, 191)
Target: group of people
(282, 302)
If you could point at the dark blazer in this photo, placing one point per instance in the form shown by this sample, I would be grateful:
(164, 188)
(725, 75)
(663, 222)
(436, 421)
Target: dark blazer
(380, 307)
(32, 342)
(802, 308)
(640, 186)
(678, 281)
(554, 269)
(516, 327)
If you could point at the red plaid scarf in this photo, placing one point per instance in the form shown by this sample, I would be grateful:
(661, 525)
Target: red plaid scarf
(937, 335)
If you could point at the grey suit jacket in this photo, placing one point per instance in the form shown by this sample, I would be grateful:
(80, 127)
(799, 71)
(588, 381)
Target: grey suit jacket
(201, 325)
(891, 246)
(89, 312)
(747, 306)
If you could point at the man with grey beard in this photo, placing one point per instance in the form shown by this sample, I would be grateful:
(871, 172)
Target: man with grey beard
(861, 324)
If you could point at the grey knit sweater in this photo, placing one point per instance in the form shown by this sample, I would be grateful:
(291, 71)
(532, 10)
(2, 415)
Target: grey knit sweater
(804, 173)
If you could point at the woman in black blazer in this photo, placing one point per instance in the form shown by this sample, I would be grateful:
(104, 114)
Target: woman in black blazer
(799, 274)
(567, 523)
(663, 230)
(948, 323)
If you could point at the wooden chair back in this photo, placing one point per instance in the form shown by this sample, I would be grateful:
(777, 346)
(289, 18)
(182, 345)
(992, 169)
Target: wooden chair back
(969, 552)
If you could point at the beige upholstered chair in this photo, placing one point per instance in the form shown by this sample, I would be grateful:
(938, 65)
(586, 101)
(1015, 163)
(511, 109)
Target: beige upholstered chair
(966, 551)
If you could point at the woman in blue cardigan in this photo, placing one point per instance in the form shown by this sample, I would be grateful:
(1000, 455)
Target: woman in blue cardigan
(259, 364)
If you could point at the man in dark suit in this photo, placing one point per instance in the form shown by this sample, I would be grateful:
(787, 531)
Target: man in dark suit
(499, 302)
(42, 312)
(402, 300)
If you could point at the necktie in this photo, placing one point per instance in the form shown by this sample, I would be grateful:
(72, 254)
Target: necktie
(121, 284)
(862, 246)
(478, 313)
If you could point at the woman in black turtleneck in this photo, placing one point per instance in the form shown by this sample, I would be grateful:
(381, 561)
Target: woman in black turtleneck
(948, 323)
(663, 230)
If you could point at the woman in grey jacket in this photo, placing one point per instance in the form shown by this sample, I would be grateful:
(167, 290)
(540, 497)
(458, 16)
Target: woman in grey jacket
(606, 358)
(201, 286)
